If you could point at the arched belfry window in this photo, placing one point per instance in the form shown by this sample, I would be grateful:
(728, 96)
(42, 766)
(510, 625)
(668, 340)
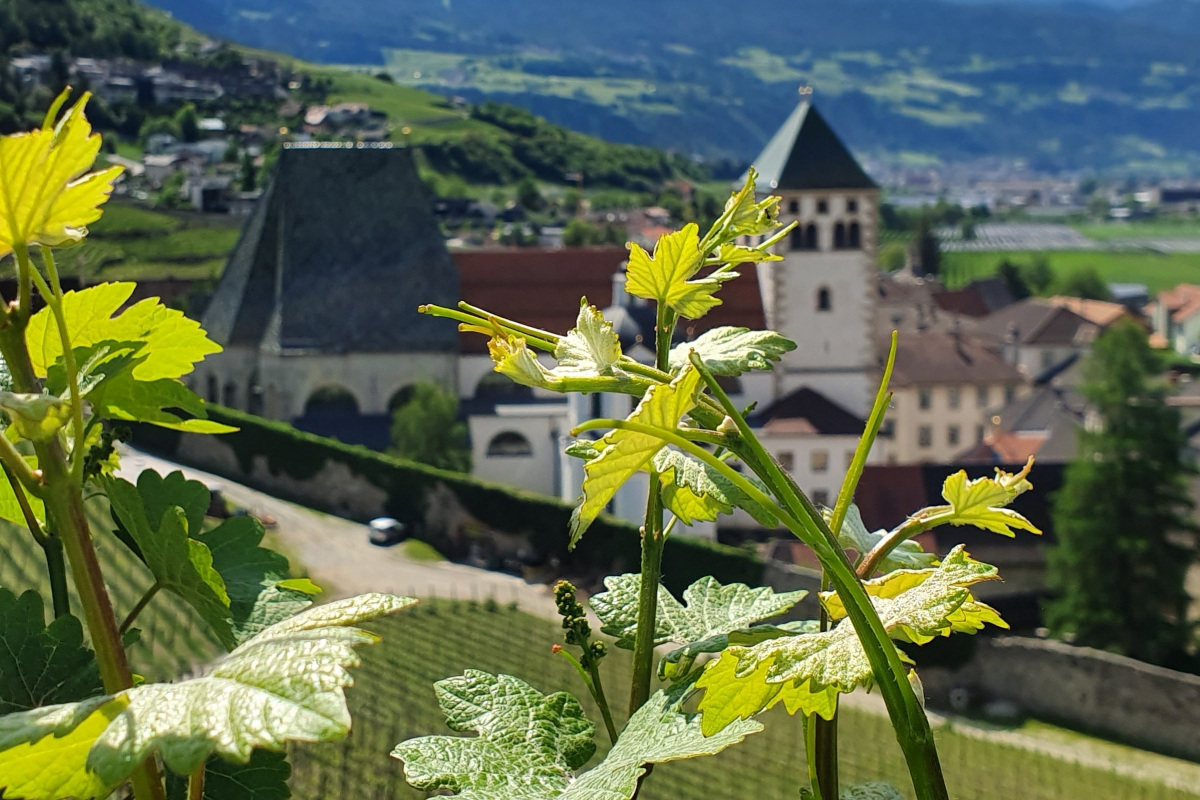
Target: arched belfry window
(508, 444)
(811, 241)
(854, 237)
(824, 299)
(798, 238)
(839, 236)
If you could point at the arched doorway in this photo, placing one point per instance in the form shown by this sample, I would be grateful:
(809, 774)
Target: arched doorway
(331, 399)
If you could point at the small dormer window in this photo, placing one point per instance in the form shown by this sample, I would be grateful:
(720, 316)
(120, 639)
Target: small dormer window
(822, 206)
(851, 206)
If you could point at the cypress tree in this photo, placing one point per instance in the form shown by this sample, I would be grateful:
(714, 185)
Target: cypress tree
(1124, 540)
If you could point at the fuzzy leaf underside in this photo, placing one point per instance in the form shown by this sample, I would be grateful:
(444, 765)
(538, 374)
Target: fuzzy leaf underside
(809, 670)
(855, 536)
(692, 490)
(284, 685)
(732, 351)
(981, 502)
(530, 745)
(41, 664)
(709, 609)
(592, 346)
(623, 452)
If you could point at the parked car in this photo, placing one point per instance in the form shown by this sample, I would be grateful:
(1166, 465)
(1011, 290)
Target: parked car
(385, 531)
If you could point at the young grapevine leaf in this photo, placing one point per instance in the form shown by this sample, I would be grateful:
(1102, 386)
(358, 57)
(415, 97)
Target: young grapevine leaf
(10, 506)
(730, 253)
(286, 684)
(855, 536)
(256, 579)
(817, 666)
(263, 777)
(41, 664)
(666, 277)
(970, 616)
(745, 214)
(179, 563)
(592, 346)
(512, 357)
(529, 745)
(43, 186)
(44, 751)
(981, 502)
(712, 610)
(173, 343)
(693, 490)
(623, 453)
(732, 351)
(125, 398)
(160, 492)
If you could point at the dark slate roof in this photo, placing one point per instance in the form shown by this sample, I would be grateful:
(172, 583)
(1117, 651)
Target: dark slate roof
(806, 154)
(1035, 321)
(822, 415)
(936, 356)
(337, 256)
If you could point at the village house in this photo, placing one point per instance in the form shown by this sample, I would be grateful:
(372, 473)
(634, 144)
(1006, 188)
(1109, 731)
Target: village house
(1175, 318)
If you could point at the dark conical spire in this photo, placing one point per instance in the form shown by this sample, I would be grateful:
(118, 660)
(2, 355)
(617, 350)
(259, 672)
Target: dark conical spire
(805, 153)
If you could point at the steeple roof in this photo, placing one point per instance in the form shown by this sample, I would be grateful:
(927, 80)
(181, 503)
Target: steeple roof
(805, 153)
(339, 252)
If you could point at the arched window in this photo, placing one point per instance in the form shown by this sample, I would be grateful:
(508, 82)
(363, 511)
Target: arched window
(854, 238)
(400, 397)
(805, 238)
(509, 444)
(824, 299)
(230, 396)
(798, 238)
(214, 389)
(839, 236)
(811, 241)
(331, 399)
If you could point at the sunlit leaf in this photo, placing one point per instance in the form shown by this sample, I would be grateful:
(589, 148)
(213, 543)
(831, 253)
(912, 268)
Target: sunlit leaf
(592, 346)
(746, 215)
(666, 277)
(10, 506)
(732, 351)
(512, 357)
(813, 667)
(529, 745)
(981, 502)
(284, 685)
(855, 536)
(623, 452)
(47, 195)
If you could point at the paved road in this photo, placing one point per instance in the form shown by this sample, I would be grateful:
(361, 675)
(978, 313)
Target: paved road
(339, 558)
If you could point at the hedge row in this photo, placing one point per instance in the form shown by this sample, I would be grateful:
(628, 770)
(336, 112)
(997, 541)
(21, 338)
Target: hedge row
(610, 545)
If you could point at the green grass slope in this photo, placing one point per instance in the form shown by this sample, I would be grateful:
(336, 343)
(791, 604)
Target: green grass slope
(393, 700)
(1158, 271)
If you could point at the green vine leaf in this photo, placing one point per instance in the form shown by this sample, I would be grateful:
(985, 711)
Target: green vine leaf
(745, 215)
(10, 507)
(807, 671)
(981, 502)
(623, 453)
(41, 664)
(180, 564)
(128, 399)
(732, 351)
(855, 536)
(512, 357)
(666, 277)
(286, 684)
(530, 745)
(692, 490)
(263, 777)
(592, 346)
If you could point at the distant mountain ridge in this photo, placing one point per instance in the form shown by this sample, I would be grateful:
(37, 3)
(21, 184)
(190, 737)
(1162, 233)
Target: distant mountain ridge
(1062, 85)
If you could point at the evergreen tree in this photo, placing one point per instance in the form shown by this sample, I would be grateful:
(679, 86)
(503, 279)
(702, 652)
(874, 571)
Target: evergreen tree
(1120, 519)
(426, 428)
(1010, 273)
(929, 250)
(1085, 282)
(249, 173)
(188, 123)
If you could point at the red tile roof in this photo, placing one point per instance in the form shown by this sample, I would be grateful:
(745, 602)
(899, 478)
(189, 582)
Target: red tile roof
(541, 288)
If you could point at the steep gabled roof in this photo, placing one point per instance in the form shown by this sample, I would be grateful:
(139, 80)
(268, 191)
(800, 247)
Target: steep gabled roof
(1035, 321)
(336, 257)
(807, 411)
(806, 154)
(934, 356)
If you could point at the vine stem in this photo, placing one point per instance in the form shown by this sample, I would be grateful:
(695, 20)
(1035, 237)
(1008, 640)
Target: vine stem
(56, 567)
(141, 604)
(68, 354)
(908, 529)
(591, 679)
(62, 494)
(195, 790)
(908, 717)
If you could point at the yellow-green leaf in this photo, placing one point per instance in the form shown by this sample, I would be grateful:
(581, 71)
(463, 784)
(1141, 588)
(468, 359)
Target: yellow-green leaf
(173, 343)
(981, 502)
(43, 752)
(666, 276)
(592, 346)
(46, 195)
(746, 215)
(624, 452)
